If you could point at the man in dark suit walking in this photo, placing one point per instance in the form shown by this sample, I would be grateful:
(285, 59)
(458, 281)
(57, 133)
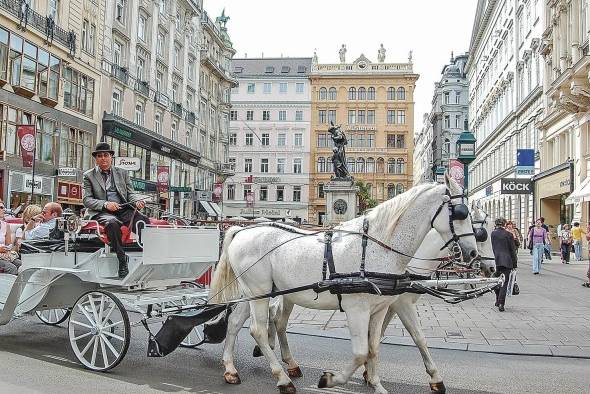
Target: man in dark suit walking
(504, 250)
(111, 200)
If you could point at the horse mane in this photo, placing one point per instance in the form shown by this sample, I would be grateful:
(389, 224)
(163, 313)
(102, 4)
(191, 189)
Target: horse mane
(387, 214)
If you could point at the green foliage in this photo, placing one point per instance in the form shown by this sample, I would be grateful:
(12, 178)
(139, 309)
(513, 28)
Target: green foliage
(364, 197)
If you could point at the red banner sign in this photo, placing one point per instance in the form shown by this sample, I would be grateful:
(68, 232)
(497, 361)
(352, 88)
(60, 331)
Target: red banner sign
(163, 180)
(456, 171)
(69, 192)
(217, 192)
(26, 135)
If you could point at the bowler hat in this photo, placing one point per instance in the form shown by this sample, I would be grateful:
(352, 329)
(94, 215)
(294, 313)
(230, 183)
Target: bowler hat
(103, 147)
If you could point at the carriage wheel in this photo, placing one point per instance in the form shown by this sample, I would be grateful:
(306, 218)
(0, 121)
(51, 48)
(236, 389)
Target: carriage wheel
(193, 338)
(53, 317)
(99, 330)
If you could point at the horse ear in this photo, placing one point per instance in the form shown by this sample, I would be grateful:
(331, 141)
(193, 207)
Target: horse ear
(332, 123)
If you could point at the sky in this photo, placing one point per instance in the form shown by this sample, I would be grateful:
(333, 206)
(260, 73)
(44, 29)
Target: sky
(431, 29)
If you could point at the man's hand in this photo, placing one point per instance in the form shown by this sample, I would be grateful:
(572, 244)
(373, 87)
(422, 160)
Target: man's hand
(140, 204)
(112, 206)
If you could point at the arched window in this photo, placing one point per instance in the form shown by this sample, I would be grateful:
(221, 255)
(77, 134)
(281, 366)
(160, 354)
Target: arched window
(391, 166)
(401, 166)
(380, 165)
(362, 94)
(399, 189)
(350, 165)
(323, 93)
(371, 94)
(321, 167)
(401, 93)
(390, 93)
(352, 94)
(332, 94)
(370, 165)
(390, 191)
(360, 165)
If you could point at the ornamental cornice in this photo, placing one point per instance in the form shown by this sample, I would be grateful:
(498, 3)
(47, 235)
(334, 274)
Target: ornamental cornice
(535, 43)
(519, 65)
(526, 55)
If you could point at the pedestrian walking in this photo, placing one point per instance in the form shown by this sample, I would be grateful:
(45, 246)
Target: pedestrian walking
(577, 232)
(537, 238)
(547, 249)
(504, 250)
(515, 233)
(565, 243)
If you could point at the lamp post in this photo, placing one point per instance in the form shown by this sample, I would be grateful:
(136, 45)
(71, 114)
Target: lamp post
(466, 153)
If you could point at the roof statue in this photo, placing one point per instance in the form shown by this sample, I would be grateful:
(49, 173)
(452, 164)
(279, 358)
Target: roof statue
(314, 60)
(222, 20)
(381, 54)
(410, 57)
(342, 53)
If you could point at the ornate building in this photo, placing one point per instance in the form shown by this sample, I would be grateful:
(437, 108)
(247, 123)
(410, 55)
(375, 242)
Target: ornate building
(423, 152)
(374, 102)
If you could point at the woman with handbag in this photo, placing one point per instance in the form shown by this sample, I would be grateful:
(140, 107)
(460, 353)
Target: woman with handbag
(9, 262)
(538, 238)
(565, 242)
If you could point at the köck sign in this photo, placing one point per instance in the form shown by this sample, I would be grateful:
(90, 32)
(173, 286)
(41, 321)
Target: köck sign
(516, 186)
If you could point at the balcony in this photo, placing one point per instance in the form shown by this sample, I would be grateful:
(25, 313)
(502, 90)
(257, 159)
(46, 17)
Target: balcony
(44, 24)
(142, 87)
(227, 169)
(177, 109)
(217, 68)
(120, 73)
(191, 118)
(162, 99)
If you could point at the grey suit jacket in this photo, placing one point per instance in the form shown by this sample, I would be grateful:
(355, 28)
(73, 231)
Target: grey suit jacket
(94, 195)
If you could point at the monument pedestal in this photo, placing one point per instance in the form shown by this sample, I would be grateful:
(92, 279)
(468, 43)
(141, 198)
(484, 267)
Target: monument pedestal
(340, 201)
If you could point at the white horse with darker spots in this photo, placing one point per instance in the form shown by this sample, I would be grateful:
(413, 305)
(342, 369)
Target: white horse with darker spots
(246, 267)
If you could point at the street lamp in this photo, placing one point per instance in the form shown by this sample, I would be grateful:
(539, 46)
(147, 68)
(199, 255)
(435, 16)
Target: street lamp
(440, 174)
(466, 153)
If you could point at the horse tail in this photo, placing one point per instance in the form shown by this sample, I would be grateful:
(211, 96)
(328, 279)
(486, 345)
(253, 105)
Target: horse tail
(224, 286)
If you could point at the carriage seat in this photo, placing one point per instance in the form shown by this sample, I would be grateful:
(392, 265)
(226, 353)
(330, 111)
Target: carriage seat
(91, 227)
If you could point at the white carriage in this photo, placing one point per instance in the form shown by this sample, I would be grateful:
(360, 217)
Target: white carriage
(71, 280)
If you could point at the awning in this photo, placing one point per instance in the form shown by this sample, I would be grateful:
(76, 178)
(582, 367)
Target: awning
(581, 193)
(215, 208)
(208, 208)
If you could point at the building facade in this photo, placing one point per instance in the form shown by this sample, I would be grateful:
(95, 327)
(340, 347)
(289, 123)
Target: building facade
(374, 103)
(269, 139)
(423, 152)
(505, 74)
(562, 188)
(50, 79)
(165, 102)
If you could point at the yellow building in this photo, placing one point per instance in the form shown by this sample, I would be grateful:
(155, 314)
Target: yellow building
(374, 103)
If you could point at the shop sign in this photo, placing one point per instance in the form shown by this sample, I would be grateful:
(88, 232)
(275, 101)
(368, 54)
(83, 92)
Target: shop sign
(554, 184)
(264, 179)
(69, 192)
(128, 163)
(118, 131)
(456, 171)
(26, 134)
(261, 212)
(203, 195)
(143, 186)
(516, 186)
(163, 175)
(361, 128)
(489, 190)
(180, 189)
(67, 171)
(29, 183)
(217, 191)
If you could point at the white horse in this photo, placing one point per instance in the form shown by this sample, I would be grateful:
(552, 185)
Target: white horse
(402, 222)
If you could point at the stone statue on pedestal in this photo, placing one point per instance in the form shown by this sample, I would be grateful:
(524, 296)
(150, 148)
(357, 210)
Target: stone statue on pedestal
(339, 152)
(342, 53)
(381, 54)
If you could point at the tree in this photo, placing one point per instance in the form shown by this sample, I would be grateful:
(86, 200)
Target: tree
(364, 197)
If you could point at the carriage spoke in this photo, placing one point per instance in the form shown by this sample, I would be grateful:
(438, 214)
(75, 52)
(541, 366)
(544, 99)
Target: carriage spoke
(115, 336)
(94, 351)
(86, 314)
(105, 357)
(81, 324)
(112, 325)
(83, 352)
(93, 307)
(110, 345)
(106, 317)
(101, 310)
(82, 336)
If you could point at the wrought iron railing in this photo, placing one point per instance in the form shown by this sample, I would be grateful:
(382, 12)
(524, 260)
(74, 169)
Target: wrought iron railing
(120, 73)
(143, 87)
(191, 118)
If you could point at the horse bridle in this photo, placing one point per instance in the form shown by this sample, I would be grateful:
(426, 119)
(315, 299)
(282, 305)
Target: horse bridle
(456, 212)
(481, 233)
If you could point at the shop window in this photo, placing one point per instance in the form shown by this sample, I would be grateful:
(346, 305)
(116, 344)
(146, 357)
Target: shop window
(280, 193)
(45, 131)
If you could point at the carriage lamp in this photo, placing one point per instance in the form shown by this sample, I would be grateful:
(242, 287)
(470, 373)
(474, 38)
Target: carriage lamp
(466, 149)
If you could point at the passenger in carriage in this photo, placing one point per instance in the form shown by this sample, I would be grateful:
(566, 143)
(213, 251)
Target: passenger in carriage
(110, 199)
(9, 261)
(29, 212)
(41, 226)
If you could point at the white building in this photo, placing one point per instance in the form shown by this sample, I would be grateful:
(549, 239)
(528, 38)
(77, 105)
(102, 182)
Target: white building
(504, 71)
(270, 139)
(423, 152)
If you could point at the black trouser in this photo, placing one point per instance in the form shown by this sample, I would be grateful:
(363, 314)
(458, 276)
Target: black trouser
(501, 292)
(113, 222)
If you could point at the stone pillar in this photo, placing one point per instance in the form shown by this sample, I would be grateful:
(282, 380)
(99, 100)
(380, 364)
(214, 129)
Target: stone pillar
(341, 204)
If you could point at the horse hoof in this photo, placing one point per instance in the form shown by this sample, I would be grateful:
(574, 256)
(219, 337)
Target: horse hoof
(257, 352)
(287, 389)
(232, 378)
(438, 388)
(325, 380)
(295, 372)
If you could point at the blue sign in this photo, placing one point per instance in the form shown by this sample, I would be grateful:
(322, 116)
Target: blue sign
(525, 157)
(489, 190)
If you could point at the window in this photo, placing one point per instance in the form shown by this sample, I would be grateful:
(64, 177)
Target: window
(191, 69)
(178, 21)
(158, 123)
(233, 139)
(247, 191)
(282, 87)
(360, 119)
(249, 115)
(446, 96)
(323, 93)
(53, 10)
(174, 132)
(175, 93)
(457, 121)
(390, 191)
(141, 24)
(401, 167)
(296, 193)
(391, 140)
(360, 165)
(45, 131)
(370, 140)
(162, 7)
(391, 166)
(351, 117)
(265, 115)
(370, 165)
(247, 165)
(332, 94)
(177, 55)
(88, 34)
(281, 139)
(321, 190)
(265, 139)
(322, 116)
(280, 193)
(390, 93)
(263, 165)
(362, 94)
(298, 141)
(139, 114)
(249, 139)
(321, 164)
(371, 116)
(390, 116)
(352, 93)
(401, 93)
(139, 71)
(160, 44)
(447, 121)
(263, 196)
(371, 94)
(116, 102)
(322, 141)
(231, 192)
(283, 115)
(332, 116)
(400, 141)
(266, 88)
(296, 166)
(251, 88)
(299, 88)
(281, 166)
(298, 115)
(78, 91)
(117, 53)
(120, 11)
(401, 116)
(233, 115)
(75, 148)
(457, 97)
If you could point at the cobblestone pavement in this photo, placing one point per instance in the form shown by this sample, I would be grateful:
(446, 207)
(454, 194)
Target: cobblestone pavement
(550, 317)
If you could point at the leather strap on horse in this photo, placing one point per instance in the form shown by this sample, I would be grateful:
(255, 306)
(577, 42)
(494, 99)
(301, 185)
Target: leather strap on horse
(329, 263)
(364, 245)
